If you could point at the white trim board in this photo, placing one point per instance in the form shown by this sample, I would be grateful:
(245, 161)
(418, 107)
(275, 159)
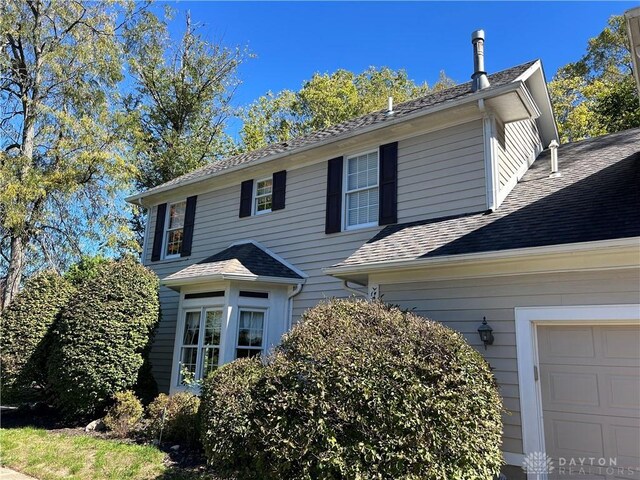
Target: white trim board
(527, 319)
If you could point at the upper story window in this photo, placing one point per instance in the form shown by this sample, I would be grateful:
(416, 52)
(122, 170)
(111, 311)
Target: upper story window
(174, 229)
(361, 190)
(263, 196)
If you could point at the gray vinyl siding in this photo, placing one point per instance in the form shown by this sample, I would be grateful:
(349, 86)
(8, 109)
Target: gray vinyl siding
(439, 173)
(461, 305)
(518, 144)
(442, 174)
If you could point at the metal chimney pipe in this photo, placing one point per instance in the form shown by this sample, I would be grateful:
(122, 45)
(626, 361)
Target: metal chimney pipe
(479, 77)
(390, 106)
(553, 147)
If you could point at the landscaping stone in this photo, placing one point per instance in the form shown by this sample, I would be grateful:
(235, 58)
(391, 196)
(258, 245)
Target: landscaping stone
(96, 426)
(175, 448)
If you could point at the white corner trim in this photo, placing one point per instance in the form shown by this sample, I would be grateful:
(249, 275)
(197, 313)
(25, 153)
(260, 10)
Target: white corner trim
(273, 255)
(514, 459)
(527, 318)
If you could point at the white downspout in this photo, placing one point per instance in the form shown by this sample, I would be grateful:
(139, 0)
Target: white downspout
(345, 285)
(293, 293)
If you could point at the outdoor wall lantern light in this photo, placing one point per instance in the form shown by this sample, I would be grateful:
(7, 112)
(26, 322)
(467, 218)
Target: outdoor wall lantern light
(485, 332)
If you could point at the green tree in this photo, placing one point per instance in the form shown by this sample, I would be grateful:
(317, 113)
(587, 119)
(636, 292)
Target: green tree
(181, 101)
(596, 94)
(325, 100)
(60, 161)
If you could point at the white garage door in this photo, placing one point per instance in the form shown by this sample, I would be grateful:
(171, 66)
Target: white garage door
(590, 383)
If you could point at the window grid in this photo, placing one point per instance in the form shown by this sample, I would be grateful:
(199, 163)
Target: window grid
(175, 228)
(361, 192)
(200, 351)
(263, 196)
(250, 339)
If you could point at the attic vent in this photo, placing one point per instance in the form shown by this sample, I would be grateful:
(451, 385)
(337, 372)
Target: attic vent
(479, 77)
(553, 148)
(390, 106)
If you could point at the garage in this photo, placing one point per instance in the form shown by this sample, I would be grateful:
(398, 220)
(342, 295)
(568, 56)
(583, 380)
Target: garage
(590, 389)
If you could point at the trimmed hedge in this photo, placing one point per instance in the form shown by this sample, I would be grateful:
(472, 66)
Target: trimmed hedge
(174, 419)
(25, 325)
(102, 335)
(357, 390)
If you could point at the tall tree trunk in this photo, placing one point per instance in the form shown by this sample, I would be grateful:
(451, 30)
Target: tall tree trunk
(16, 268)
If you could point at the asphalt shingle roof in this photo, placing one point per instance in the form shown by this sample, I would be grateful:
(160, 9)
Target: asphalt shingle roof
(241, 259)
(380, 117)
(596, 198)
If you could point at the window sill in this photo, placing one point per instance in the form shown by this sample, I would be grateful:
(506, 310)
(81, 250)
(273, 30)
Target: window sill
(362, 226)
(168, 260)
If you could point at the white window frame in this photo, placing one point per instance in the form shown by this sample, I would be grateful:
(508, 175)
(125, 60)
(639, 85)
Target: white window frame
(346, 191)
(200, 346)
(241, 309)
(167, 220)
(256, 196)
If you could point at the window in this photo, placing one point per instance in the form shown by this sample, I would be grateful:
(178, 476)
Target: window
(361, 190)
(175, 229)
(200, 351)
(263, 196)
(250, 333)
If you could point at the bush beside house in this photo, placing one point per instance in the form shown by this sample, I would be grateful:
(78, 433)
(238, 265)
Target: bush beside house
(25, 325)
(357, 390)
(174, 419)
(102, 336)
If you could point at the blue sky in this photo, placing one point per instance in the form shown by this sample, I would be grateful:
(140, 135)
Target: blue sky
(292, 40)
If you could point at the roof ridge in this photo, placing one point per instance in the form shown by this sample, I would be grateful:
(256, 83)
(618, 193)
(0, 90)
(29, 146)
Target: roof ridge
(342, 128)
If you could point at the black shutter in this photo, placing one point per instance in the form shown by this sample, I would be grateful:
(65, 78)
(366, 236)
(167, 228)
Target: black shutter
(333, 222)
(246, 197)
(187, 231)
(388, 191)
(279, 190)
(161, 213)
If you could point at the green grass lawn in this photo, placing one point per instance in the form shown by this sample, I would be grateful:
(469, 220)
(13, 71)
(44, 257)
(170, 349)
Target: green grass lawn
(52, 456)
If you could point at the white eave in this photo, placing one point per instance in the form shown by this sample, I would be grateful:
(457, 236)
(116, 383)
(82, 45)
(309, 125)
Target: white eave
(574, 252)
(633, 28)
(229, 277)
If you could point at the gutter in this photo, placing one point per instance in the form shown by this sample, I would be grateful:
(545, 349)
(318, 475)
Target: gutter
(473, 97)
(179, 282)
(469, 258)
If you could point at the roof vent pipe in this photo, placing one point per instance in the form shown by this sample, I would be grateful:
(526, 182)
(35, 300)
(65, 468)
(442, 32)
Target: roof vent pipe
(479, 77)
(390, 106)
(553, 147)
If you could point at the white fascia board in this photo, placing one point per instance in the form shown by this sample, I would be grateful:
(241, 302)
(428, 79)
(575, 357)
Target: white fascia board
(238, 277)
(471, 258)
(481, 94)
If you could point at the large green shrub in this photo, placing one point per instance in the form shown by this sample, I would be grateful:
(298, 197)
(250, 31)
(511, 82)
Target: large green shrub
(228, 433)
(101, 337)
(358, 390)
(174, 418)
(25, 324)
